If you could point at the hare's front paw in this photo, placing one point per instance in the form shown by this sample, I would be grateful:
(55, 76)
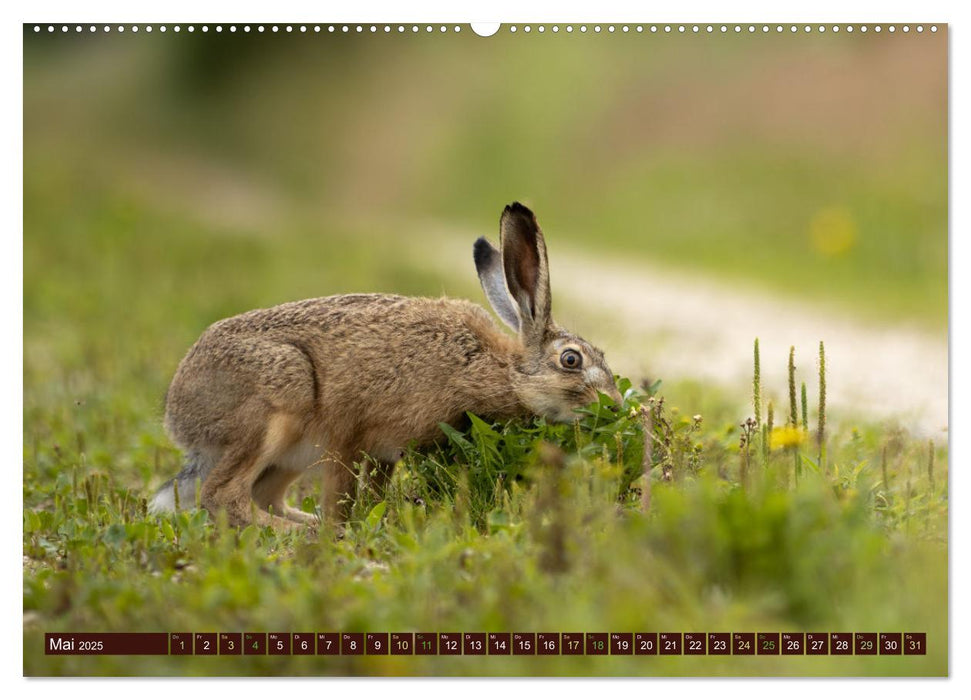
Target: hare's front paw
(298, 516)
(241, 519)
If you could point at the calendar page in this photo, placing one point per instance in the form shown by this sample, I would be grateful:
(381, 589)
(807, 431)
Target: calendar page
(525, 349)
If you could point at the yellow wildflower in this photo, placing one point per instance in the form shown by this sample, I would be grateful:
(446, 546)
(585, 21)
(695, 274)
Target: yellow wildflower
(832, 232)
(787, 436)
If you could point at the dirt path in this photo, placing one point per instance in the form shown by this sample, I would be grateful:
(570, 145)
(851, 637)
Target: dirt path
(660, 324)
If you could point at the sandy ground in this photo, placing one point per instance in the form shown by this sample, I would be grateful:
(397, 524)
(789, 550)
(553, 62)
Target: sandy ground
(656, 323)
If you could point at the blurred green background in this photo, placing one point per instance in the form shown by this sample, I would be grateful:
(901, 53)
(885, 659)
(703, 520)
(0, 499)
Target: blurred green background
(813, 165)
(174, 179)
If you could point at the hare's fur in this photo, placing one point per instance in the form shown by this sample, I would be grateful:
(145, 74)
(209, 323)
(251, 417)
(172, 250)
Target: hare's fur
(263, 396)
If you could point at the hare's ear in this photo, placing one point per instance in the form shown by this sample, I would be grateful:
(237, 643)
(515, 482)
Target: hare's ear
(488, 263)
(527, 272)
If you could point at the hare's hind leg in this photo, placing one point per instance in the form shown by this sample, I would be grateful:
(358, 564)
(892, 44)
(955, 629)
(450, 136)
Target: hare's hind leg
(229, 486)
(270, 488)
(245, 399)
(229, 489)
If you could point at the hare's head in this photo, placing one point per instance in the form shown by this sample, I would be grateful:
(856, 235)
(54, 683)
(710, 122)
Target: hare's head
(559, 371)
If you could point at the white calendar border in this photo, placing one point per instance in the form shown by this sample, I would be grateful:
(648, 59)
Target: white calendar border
(829, 11)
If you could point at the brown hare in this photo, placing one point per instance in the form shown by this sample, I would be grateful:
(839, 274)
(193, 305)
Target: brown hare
(263, 396)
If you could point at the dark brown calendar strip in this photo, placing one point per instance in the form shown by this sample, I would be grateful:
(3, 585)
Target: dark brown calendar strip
(101, 643)
(488, 643)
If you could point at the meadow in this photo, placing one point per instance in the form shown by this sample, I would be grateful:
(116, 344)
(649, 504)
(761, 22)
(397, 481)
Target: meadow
(160, 221)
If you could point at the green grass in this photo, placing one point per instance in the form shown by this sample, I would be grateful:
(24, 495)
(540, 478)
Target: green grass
(494, 532)
(491, 531)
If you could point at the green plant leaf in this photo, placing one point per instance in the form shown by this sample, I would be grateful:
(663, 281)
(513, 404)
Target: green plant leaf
(373, 520)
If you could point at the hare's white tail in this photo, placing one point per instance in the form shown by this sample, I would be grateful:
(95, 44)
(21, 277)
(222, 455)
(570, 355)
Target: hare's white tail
(193, 473)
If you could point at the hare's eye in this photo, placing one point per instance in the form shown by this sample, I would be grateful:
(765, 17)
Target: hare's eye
(571, 359)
